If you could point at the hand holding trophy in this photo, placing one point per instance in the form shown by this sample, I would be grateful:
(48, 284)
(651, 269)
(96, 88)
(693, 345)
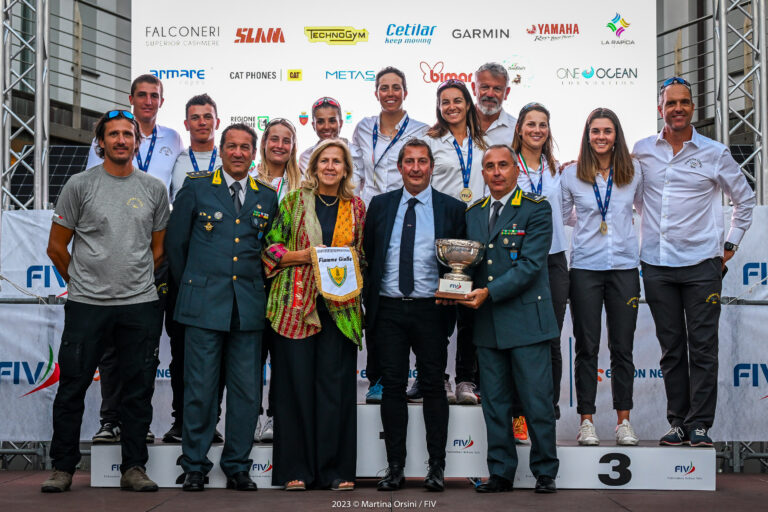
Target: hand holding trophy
(457, 254)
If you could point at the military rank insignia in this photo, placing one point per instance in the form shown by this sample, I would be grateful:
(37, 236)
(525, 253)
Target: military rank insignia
(509, 232)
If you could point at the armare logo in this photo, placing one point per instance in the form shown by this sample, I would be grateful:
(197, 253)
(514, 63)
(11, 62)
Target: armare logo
(753, 270)
(169, 74)
(21, 373)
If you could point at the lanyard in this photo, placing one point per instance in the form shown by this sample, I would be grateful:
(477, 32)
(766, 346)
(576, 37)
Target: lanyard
(391, 143)
(524, 167)
(608, 188)
(280, 188)
(465, 171)
(145, 166)
(194, 160)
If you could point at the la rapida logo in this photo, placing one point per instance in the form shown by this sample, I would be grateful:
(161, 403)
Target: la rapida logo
(23, 374)
(619, 26)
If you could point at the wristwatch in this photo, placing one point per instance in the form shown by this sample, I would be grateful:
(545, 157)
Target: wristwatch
(731, 247)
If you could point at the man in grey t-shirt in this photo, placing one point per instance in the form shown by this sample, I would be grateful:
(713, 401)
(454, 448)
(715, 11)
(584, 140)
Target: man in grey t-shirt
(115, 215)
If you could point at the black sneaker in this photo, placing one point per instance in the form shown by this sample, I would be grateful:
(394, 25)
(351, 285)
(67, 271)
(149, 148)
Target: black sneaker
(109, 433)
(699, 438)
(675, 436)
(173, 436)
(413, 394)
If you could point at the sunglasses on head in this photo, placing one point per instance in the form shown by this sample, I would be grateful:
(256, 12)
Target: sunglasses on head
(280, 120)
(531, 106)
(326, 101)
(674, 80)
(450, 81)
(112, 114)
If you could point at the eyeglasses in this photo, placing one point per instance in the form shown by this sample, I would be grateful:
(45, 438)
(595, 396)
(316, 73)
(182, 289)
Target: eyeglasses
(325, 100)
(533, 106)
(119, 113)
(674, 80)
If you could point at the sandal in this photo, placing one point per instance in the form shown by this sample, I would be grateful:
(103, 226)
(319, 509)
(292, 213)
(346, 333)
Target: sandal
(296, 485)
(343, 485)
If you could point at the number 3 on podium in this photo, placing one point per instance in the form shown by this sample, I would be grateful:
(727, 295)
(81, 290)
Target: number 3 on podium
(620, 466)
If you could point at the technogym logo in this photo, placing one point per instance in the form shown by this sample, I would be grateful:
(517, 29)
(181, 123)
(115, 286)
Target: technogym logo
(336, 35)
(25, 374)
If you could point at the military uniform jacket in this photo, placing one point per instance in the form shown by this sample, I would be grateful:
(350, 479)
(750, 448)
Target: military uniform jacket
(519, 310)
(214, 255)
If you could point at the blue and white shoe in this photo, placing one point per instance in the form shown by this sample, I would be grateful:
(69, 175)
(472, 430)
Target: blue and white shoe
(373, 396)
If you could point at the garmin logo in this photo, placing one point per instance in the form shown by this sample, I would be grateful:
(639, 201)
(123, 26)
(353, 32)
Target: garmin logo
(192, 74)
(480, 33)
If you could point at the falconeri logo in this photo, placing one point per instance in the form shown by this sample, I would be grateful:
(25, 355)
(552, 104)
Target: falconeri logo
(182, 35)
(553, 31)
(259, 35)
(336, 35)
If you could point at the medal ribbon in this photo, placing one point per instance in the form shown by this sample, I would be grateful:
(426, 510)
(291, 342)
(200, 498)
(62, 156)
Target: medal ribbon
(465, 171)
(608, 188)
(524, 167)
(400, 133)
(145, 166)
(194, 160)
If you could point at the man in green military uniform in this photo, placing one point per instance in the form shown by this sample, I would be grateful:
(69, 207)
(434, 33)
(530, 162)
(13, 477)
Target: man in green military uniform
(214, 242)
(514, 320)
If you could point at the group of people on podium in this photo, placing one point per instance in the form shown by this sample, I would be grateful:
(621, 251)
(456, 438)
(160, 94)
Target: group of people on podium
(233, 268)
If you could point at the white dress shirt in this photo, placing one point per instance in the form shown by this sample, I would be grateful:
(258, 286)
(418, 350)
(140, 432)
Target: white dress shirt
(386, 177)
(447, 177)
(425, 268)
(502, 130)
(552, 191)
(504, 202)
(590, 249)
(682, 221)
(229, 180)
(280, 184)
(168, 146)
(184, 165)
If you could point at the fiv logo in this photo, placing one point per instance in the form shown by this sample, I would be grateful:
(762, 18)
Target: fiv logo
(463, 443)
(685, 470)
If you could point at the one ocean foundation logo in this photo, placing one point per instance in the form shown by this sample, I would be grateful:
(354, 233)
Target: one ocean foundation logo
(618, 25)
(19, 369)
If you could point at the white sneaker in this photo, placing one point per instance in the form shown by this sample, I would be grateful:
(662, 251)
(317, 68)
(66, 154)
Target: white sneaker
(449, 394)
(587, 434)
(267, 432)
(625, 434)
(465, 393)
(257, 433)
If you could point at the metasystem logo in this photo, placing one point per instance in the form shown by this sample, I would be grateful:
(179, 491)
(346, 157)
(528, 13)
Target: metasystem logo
(22, 371)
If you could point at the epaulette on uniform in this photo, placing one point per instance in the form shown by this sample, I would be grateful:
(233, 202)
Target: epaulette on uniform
(479, 201)
(536, 198)
(270, 187)
(199, 174)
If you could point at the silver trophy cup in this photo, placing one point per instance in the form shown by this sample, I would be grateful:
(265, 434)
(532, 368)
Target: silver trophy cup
(457, 254)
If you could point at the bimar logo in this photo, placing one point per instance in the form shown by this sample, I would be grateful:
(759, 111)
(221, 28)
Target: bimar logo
(463, 443)
(262, 468)
(21, 372)
(435, 75)
(685, 470)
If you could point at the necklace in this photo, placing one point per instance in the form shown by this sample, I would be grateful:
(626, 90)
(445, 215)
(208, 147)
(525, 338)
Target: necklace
(327, 204)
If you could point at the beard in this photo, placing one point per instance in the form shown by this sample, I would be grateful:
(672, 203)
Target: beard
(489, 110)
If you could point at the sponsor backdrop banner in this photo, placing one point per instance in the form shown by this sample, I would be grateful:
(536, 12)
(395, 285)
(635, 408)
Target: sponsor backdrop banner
(259, 63)
(31, 334)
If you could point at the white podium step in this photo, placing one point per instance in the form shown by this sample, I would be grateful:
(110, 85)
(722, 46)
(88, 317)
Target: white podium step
(603, 467)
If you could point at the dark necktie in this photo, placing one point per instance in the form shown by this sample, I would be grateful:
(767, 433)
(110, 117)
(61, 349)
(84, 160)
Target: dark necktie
(494, 216)
(406, 248)
(235, 188)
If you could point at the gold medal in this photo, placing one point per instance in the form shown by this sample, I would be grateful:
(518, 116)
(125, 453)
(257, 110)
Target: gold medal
(466, 195)
(603, 228)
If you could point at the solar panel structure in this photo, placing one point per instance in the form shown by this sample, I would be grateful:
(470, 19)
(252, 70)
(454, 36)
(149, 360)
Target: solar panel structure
(63, 162)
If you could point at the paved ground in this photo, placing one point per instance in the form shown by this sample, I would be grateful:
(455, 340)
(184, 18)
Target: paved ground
(20, 491)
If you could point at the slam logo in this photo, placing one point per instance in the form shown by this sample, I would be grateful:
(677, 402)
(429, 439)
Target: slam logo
(259, 35)
(463, 444)
(618, 25)
(685, 470)
(336, 35)
(22, 373)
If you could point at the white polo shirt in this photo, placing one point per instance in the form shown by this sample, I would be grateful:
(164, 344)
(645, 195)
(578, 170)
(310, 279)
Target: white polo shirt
(447, 177)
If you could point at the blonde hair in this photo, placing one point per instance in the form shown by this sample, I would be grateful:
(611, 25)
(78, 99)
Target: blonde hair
(292, 171)
(346, 186)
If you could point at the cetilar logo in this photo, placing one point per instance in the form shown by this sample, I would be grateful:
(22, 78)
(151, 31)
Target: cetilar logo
(686, 470)
(618, 25)
(22, 369)
(463, 443)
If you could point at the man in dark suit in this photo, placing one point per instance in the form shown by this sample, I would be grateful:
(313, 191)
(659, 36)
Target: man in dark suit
(514, 320)
(400, 232)
(215, 236)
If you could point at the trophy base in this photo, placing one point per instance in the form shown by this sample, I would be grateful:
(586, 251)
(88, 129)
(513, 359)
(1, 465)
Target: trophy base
(453, 289)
